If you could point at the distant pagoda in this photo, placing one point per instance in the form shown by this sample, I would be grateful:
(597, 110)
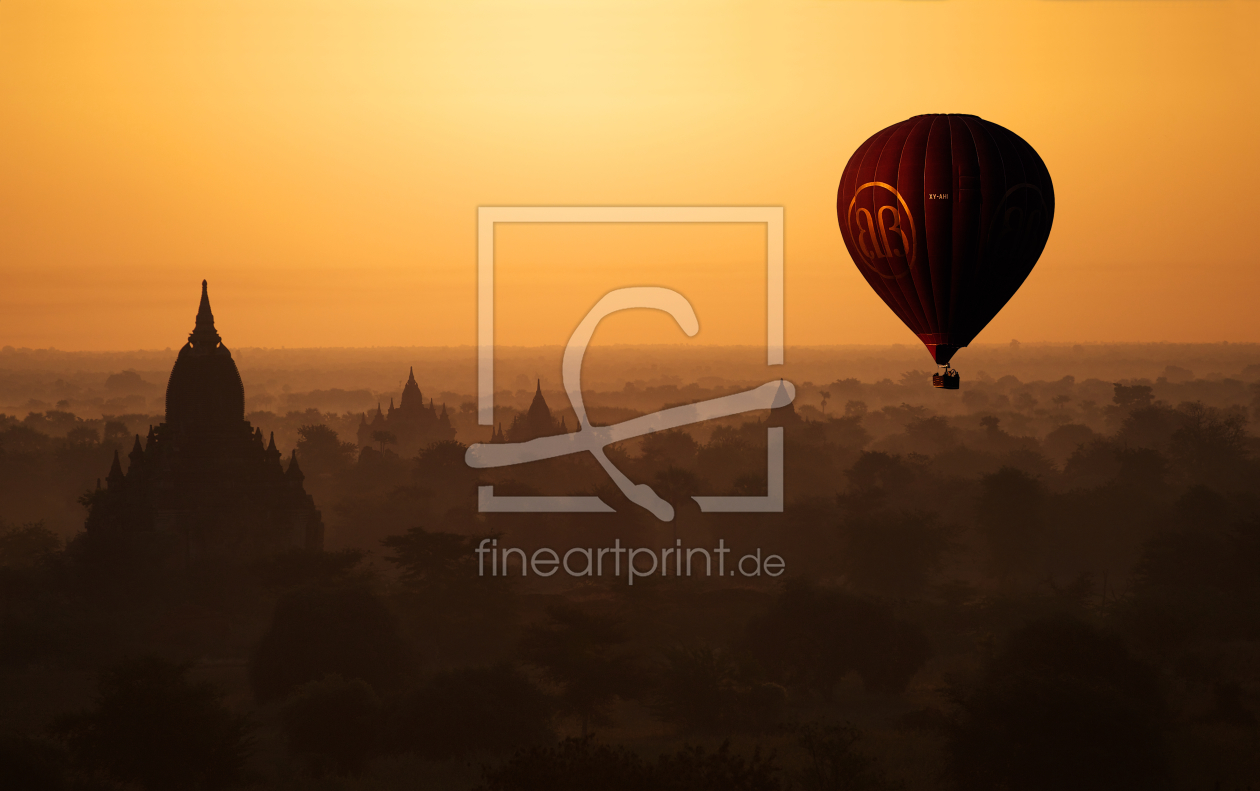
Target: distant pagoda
(204, 477)
(413, 425)
(535, 422)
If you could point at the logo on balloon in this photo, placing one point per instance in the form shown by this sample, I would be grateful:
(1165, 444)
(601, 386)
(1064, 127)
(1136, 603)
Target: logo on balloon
(1020, 226)
(884, 233)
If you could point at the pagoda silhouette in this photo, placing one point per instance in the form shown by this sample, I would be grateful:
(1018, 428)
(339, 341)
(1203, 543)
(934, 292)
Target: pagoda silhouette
(411, 426)
(204, 481)
(535, 422)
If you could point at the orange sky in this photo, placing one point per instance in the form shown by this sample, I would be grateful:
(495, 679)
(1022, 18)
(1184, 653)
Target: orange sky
(321, 162)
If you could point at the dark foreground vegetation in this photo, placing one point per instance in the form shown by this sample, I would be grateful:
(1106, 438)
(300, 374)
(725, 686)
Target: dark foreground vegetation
(1050, 587)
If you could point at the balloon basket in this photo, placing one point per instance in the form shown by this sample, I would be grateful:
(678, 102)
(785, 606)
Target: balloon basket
(948, 380)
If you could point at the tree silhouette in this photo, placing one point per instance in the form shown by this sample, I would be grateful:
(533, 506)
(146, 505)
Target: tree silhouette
(1129, 397)
(442, 464)
(153, 727)
(473, 709)
(582, 764)
(1062, 705)
(28, 545)
(1210, 446)
(1011, 514)
(446, 600)
(32, 764)
(812, 637)
(674, 448)
(322, 451)
(383, 438)
(703, 690)
(676, 486)
(317, 631)
(893, 554)
(583, 654)
(298, 568)
(833, 762)
(1196, 576)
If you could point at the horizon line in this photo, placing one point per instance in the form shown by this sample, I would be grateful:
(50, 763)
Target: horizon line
(472, 348)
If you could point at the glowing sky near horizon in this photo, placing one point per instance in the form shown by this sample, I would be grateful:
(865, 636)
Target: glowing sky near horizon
(321, 163)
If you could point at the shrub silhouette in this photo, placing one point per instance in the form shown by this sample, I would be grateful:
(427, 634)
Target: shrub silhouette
(33, 765)
(893, 554)
(494, 709)
(703, 690)
(583, 654)
(581, 765)
(345, 630)
(834, 764)
(1061, 706)
(813, 637)
(332, 725)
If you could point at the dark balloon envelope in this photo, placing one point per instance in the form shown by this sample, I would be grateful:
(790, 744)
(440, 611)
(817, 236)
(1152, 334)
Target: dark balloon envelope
(945, 216)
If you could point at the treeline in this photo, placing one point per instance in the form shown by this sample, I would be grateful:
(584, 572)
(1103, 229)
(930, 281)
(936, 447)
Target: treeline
(965, 606)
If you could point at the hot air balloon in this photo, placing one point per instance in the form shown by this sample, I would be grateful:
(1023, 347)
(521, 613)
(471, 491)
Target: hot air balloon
(945, 216)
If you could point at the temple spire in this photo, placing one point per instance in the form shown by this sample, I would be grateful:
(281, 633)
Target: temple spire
(538, 409)
(204, 334)
(204, 316)
(272, 454)
(136, 459)
(116, 476)
(782, 409)
(412, 399)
